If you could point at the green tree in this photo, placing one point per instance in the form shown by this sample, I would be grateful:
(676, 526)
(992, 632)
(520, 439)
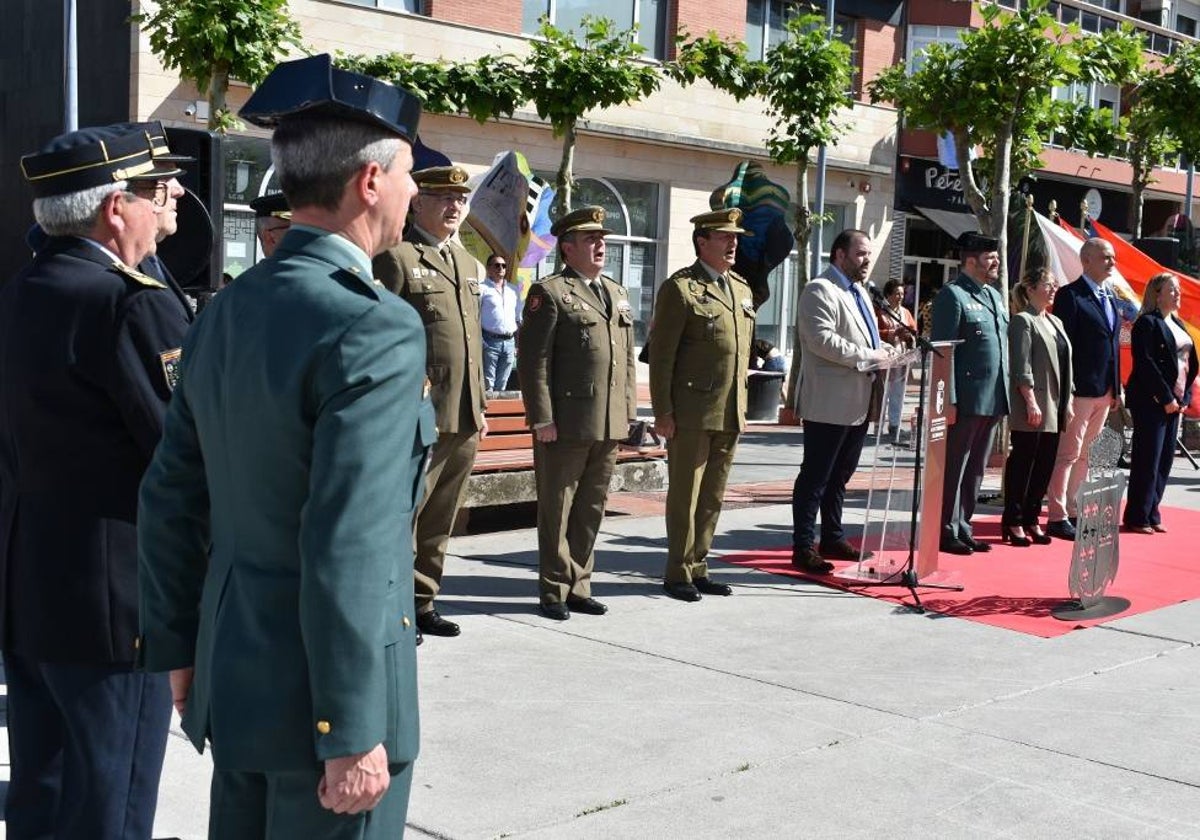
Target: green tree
(994, 90)
(211, 41)
(566, 77)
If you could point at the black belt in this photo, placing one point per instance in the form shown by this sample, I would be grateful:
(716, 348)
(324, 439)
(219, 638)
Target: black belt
(501, 336)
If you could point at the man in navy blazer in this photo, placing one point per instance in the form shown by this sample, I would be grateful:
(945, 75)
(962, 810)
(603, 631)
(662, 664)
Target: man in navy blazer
(1089, 314)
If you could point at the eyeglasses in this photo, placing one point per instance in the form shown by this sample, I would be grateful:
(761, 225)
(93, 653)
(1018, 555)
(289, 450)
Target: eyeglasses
(500, 265)
(155, 192)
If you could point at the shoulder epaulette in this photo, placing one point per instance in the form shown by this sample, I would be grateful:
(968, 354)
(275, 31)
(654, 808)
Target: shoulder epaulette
(137, 276)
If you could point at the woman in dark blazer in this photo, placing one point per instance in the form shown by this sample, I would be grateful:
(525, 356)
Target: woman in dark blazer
(1039, 367)
(1160, 385)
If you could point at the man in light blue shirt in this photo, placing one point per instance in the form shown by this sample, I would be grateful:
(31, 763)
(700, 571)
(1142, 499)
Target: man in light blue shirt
(500, 316)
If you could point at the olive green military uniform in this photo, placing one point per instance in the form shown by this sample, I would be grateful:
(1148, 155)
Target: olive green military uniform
(445, 292)
(577, 371)
(699, 355)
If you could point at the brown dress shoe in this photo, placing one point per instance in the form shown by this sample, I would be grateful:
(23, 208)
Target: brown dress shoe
(807, 560)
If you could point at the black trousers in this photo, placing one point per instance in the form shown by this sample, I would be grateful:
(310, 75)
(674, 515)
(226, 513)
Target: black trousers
(86, 744)
(831, 454)
(968, 441)
(1154, 442)
(1027, 475)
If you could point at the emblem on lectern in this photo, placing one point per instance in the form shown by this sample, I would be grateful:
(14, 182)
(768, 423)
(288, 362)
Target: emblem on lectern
(940, 403)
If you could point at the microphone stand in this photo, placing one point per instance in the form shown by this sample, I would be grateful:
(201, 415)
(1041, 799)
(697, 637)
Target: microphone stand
(907, 577)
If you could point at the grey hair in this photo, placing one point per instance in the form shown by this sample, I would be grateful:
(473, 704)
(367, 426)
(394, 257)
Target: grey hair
(75, 213)
(315, 156)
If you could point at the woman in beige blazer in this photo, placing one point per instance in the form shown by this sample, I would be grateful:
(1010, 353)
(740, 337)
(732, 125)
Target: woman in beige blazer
(1040, 395)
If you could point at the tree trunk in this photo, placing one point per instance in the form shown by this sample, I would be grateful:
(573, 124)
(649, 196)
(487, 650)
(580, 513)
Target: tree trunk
(1141, 179)
(218, 87)
(976, 199)
(1000, 202)
(565, 182)
(802, 232)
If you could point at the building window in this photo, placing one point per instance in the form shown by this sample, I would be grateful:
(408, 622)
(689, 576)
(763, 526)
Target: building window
(631, 252)
(410, 6)
(1185, 25)
(1093, 95)
(920, 37)
(649, 15)
(766, 26)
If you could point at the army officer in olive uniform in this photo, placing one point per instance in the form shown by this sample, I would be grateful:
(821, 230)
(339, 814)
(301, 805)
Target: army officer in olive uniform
(699, 355)
(580, 387)
(434, 273)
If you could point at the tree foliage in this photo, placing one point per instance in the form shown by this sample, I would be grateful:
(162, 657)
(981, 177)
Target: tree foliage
(211, 41)
(994, 90)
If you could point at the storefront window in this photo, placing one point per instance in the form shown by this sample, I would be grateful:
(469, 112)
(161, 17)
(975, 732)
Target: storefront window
(248, 174)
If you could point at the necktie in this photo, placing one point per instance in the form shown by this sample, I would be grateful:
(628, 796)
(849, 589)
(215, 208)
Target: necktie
(444, 253)
(598, 289)
(868, 319)
(1109, 309)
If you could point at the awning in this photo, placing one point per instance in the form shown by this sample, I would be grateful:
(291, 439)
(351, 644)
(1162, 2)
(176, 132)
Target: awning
(955, 224)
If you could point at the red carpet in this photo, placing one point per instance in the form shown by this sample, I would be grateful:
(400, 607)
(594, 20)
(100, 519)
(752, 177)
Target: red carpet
(1016, 588)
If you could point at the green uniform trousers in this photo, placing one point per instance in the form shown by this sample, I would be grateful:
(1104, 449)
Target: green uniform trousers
(283, 806)
(698, 465)
(572, 488)
(445, 485)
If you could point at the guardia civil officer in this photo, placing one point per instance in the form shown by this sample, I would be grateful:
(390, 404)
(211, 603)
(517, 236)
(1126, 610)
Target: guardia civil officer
(971, 310)
(699, 355)
(579, 382)
(276, 564)
(434, 273)
(89, 350)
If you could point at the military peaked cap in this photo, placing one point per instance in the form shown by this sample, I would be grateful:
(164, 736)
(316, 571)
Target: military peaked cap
(160, 150)
(450, 178)
(728, 220)
(271, 204)
(313, 86)
(89, 157)
(583, 219)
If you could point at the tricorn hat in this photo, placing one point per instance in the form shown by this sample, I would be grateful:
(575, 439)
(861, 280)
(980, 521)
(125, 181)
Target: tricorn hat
(314, 86)
(583, 219)
(976, 243)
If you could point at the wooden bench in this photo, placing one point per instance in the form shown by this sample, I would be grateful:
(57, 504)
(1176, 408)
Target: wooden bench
(503, 470)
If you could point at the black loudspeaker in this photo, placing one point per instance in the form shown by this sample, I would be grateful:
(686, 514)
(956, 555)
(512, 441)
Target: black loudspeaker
(1164, 250)
(193, 254)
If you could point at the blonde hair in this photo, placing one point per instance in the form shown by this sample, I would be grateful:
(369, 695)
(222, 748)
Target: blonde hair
(1154, 287)
(1020, 292)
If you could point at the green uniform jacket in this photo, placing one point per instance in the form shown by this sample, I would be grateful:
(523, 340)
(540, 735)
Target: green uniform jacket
(274, 530)
(453, 336)
(975, 313)
(577, 366)
(700, 350)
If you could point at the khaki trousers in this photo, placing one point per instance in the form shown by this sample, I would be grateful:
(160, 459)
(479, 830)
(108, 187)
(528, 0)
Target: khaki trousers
(445, 485)
(1071, 462)
(698, 464)
(572, 486)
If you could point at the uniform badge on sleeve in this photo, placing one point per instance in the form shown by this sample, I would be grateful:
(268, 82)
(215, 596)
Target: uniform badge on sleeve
(170, 364)
(534, 302)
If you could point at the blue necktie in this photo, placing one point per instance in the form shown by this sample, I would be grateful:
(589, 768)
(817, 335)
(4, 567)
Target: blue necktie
(1109, 310)
(867, 317)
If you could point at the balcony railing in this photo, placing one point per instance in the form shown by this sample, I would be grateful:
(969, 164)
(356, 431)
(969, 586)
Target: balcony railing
(1093, 17)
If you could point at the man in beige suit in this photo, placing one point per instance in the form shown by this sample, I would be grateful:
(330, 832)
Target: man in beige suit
(837, 331)
(699, 356)
(580, 388)
(434, 273)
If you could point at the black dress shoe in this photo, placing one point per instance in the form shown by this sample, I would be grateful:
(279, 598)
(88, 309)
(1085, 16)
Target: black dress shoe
(587, 606)
(682, 591)
(1036, 534)
(842, 550)
(432, 624)
(807, 560)
(710, 587)
(975, 545)
(556, 610)
(1061, 528)
(949, 545)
